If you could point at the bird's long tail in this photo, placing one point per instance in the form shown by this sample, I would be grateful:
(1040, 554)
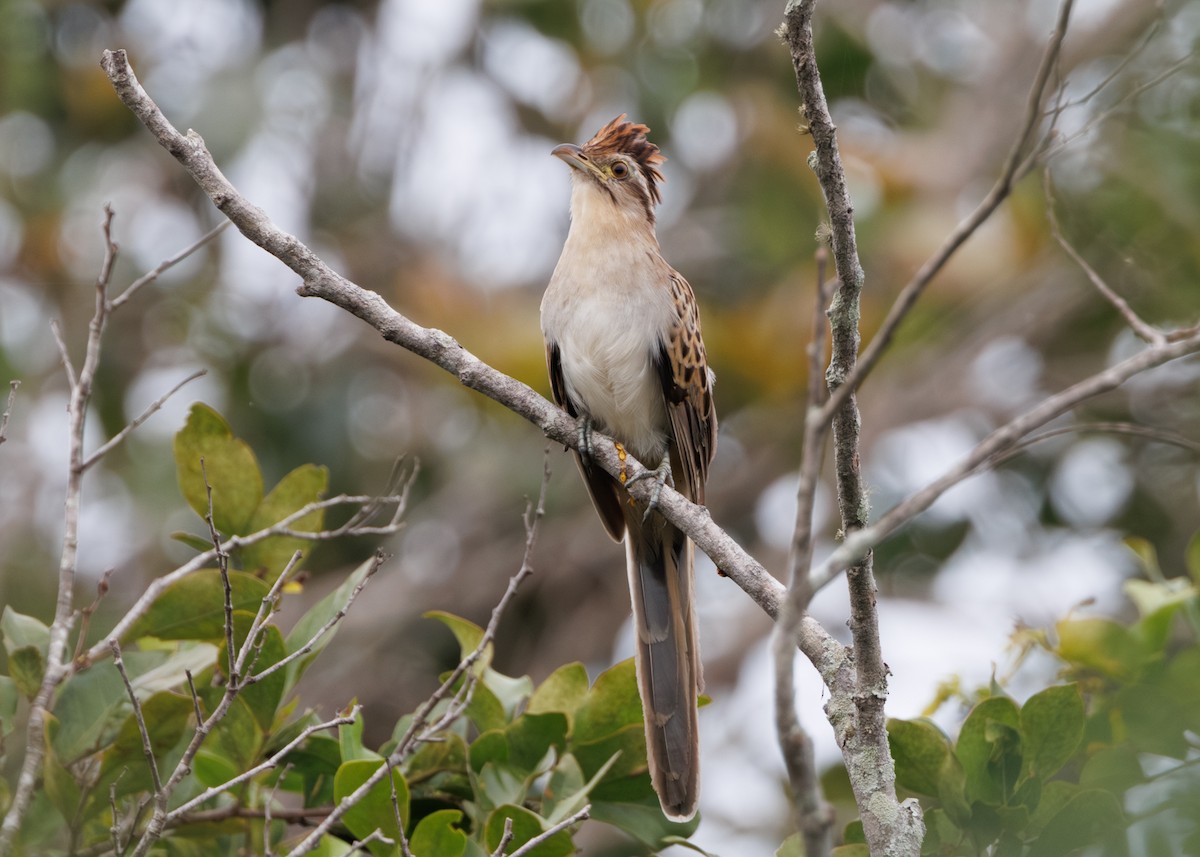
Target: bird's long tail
(668, 659)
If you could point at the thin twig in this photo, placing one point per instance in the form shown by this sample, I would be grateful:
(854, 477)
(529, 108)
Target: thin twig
(813, 815)
(889, 826)
(165, 265)
(995, 443)
(375, 835)
(419, 725)
(85, 615)
(147, 746)
(404, 849)
(545, 835)
(223, 567)
(12, 396)
(1135, 322)
(271, 762)
(64, 354)
(57, 667)
(307, 648)
(505, 838)
(145, 415)
(1147, 432)
(1014, 165)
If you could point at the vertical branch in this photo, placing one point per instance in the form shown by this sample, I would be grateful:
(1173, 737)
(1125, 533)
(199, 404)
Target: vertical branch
(56, 670)
(890, 828)
(12, 396)
(814, 817)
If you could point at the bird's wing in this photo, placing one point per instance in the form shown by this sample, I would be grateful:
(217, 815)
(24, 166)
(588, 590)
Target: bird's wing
(687, 389)
(601, 487)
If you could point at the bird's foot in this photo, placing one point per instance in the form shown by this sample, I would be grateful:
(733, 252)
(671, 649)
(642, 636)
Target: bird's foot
(584, 425)
(661, 476)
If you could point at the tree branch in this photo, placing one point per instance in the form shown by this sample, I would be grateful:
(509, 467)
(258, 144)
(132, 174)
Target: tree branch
(56, 662)
(318, 280)
(12, 396)
(890, 827)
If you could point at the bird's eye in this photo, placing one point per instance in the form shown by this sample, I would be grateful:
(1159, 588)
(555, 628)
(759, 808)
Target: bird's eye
(620, 170)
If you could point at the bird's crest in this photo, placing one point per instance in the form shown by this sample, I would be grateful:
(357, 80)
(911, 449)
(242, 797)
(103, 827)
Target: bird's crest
(629, 138)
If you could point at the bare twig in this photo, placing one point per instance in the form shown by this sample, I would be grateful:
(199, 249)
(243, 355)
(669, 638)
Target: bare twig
(813, 815)
(4, 417)
(375, 835)
(997, 442)
(270, 762)
(147, 746)
(57, 666)
(545, 835)
(205, 559)
(166, 265)
(890, 827)
(307, 648)
(420, 726)
(64, 354)
(85, 615)
(120, 436)
(1020, 157)
(1133, 430)
(505, 838)
(404, 849)
(1135, 322)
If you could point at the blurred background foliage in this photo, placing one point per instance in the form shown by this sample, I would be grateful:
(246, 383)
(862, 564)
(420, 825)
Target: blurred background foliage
(408, 142)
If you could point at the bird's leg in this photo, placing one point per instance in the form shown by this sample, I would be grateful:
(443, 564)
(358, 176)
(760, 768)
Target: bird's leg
(661, 476)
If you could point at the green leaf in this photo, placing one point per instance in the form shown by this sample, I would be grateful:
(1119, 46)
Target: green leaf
(9, 697)
(167, 716)
(485, 711)
(525, 826)
(193, 607)
(1101, 645)
(466, 632)
(87, 704)
(437, 757)
(491, 746)
(1051, 730)
(350, 740)
(532, 736)
(1114, 769)
(1087, 818)
(793, 846)
(316, 618)
(331, 846)
(855, 850)
(1192, 557)
(306, 484)
(512, 692)
(566, 793)
(28, 667)
(988, 757)
(315, 762)
(151, 672)
(612, 704)
(920, 750)
(229, 465)
(1157, 604)
(629, 742)
(1154, 719)
(375, 810)
(437, 836)
(263, 697)
(196, 543)
(564, 690)
(26, 640)
(236, 740)
(60, 786)
(643, 820)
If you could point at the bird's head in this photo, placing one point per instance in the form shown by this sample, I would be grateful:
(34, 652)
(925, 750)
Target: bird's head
(621, 164)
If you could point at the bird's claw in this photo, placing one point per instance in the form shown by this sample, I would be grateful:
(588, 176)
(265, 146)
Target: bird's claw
(661, 476)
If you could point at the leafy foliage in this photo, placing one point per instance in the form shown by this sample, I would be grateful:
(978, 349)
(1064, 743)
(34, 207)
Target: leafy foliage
(522, 755)
(1106, 760)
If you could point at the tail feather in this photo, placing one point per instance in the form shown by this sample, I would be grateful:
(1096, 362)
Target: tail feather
(668, 659)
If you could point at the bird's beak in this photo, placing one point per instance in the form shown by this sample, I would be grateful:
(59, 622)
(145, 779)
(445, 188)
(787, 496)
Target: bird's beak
(574, 157)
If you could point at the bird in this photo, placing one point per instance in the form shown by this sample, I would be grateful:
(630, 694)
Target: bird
(626, 358)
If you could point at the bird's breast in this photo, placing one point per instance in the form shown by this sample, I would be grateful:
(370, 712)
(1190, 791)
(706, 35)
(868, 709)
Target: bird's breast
(607, 340)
